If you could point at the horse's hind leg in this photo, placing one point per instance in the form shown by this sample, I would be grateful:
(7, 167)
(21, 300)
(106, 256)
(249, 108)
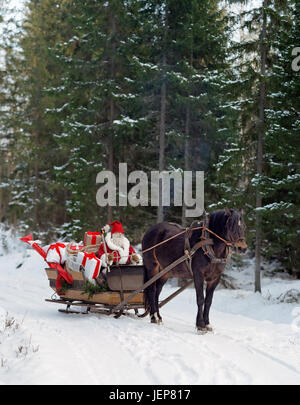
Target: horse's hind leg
(159, 285)
(151, 300)
(150, 293)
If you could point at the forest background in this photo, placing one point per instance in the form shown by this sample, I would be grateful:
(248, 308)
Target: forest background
(200, 85)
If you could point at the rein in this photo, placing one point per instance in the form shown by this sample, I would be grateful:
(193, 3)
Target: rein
(235, 244)
(167, 240)
(206, 243)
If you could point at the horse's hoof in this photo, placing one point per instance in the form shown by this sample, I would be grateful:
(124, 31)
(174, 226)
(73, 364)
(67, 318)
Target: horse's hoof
(156, 319)
(209, 328)
(201, 331)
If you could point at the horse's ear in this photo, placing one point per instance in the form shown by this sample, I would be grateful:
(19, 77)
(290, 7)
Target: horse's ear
(227, 212)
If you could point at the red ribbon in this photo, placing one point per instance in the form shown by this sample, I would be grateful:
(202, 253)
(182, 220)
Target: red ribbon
(96, 271)
(62, 274)
(56, 246)
(88, 256)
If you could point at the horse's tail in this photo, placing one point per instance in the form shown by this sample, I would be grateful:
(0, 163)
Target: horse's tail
(146, 291)
(150, 238)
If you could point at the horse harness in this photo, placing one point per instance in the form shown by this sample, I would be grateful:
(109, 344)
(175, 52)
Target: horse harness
(206, 243)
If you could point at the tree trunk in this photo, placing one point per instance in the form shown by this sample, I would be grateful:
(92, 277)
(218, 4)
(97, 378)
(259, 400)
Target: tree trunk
(262, 96)
(36, 190)
(187, 146)
(186, 158)
(111, 108)
(162, 129)
(162, 132)
(110, 152)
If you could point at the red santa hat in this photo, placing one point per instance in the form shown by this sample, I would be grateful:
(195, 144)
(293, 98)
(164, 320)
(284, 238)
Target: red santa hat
(116, 226)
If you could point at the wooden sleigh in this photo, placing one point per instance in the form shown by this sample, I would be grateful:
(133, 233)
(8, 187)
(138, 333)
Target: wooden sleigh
(126, 291)
(121, 281)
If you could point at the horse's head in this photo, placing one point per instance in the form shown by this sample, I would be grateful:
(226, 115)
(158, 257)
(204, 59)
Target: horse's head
(236, 229)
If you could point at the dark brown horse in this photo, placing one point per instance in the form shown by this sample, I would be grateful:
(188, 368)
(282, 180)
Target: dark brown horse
(225, 224)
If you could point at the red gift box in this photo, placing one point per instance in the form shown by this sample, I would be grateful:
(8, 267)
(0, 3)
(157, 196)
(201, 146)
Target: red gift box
(92, 238)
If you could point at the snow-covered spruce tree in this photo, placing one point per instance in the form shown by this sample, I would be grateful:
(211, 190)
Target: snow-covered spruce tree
(200, 124)
(163, 95)
(183, 57)
(281, 177)
(150, 60)
(101, 119)
(35, 197)
(4, 136)
(10, 107)
(245, 164)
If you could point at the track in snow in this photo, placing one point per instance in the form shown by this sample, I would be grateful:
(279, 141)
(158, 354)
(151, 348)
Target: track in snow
(253, 341)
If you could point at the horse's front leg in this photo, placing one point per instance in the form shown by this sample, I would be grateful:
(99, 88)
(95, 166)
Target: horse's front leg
(198, 281)
(210, 288)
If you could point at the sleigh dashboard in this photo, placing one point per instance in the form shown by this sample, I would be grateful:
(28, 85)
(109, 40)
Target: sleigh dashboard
(125, 277)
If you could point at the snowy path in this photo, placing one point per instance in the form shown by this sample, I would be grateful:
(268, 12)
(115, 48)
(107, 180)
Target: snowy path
(253, 340)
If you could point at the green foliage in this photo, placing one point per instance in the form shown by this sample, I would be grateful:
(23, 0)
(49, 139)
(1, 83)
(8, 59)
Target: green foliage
(81, 91)
(281, 181)
(237, 181)
(64, 287)
(91, 289)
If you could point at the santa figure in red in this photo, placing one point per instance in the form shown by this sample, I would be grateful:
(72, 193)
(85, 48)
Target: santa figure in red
(117, 247)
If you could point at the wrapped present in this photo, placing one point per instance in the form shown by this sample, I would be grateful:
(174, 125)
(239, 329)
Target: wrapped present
(92, 238)
(74, 247)
(57, 253)
(91, 265)
(72, 263)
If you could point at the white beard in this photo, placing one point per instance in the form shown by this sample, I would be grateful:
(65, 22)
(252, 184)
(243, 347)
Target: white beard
(118, 240)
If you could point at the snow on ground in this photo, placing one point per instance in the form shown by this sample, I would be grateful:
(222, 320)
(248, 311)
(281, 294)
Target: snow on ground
(256, 338)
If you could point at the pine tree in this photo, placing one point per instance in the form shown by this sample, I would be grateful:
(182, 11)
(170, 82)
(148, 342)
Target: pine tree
(187, 75)
(202, 73)
(243, 170)
(100, 116)
(281, 180)
(35, 198)
(10, 108)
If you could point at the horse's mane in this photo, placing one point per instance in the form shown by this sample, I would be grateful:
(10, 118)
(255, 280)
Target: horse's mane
(225, 225)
